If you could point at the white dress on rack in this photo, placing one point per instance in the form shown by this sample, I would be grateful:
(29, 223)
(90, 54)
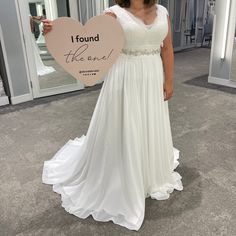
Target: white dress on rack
(127, 154)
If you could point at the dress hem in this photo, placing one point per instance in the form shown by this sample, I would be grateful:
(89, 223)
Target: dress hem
(162, 193)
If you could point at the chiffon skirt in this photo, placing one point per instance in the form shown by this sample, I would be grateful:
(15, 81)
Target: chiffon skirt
(127, 154)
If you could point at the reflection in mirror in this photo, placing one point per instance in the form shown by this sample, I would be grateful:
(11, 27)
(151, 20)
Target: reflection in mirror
(185, 21)
(50, 74)
(208, 26)
(233, 62)
(192, 22)
(189, 13)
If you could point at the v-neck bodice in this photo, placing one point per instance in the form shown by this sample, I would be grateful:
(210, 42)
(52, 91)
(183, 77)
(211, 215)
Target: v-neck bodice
(139, 35)
(140, 20)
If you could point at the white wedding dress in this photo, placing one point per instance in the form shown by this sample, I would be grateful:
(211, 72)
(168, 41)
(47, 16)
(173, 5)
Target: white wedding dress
(41, 68)
(127, 154)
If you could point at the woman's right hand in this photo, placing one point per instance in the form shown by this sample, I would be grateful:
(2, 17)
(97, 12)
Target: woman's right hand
(47, 26)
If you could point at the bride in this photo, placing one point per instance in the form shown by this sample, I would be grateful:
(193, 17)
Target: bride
(127, 154)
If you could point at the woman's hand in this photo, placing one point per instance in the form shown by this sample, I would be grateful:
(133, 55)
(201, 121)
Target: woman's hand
(168, 89)
(47, 26)
(38, 19)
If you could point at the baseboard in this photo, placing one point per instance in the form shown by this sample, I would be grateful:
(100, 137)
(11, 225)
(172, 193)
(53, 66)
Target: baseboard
(224, 82)
(4, 100)
(182, 48)
(21, 98)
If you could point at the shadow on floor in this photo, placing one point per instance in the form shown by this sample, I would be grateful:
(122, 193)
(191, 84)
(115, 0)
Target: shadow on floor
(202, 81)
(56, 218)
(179, 201)
(48, 99)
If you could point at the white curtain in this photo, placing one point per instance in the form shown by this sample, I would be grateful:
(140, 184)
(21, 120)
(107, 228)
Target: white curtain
(189, 14)
(90, 8)
(178, 15)
(51, 9)
(201, 12)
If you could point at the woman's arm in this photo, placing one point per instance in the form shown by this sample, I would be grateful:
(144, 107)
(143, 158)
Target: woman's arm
(167, 54)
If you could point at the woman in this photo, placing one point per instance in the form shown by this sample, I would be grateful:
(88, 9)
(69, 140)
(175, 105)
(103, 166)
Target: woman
(127, 154)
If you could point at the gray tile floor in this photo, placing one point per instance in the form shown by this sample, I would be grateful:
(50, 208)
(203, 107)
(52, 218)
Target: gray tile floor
(203, 120)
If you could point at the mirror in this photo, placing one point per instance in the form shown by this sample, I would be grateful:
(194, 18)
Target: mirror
(208, 24)
(192, 23)
(184, 23)
(49, 73)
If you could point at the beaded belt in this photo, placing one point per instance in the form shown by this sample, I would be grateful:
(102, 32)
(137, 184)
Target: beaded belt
(141, 52)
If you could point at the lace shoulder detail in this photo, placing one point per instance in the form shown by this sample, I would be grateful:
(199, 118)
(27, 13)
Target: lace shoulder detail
(109, 9)
(164, 9)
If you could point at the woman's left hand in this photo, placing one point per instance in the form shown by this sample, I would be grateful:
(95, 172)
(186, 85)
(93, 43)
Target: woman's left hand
(168, 90)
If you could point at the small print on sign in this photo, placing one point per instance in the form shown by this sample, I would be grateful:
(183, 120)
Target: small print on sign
(86, 52)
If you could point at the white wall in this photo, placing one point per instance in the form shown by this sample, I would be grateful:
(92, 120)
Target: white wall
(13, 43)
(219, 72)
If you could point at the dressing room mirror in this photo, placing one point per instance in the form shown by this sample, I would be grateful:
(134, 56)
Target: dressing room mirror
(50, 74)
(184, 22)
(46, 76)
(192, 22)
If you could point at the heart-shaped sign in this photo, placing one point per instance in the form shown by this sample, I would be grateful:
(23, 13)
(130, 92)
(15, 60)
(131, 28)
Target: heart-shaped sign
(86, 52)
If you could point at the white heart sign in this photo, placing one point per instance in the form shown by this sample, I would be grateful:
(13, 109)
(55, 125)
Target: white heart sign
(86, 52)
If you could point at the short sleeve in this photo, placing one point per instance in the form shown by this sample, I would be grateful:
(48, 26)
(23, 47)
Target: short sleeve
(165, 10)
(108, 9)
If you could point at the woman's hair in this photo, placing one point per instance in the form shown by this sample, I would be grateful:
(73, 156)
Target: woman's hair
(126, 3)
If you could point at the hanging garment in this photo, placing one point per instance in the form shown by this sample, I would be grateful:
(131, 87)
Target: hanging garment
(41, 68)
(127, 154)
(2, 91)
